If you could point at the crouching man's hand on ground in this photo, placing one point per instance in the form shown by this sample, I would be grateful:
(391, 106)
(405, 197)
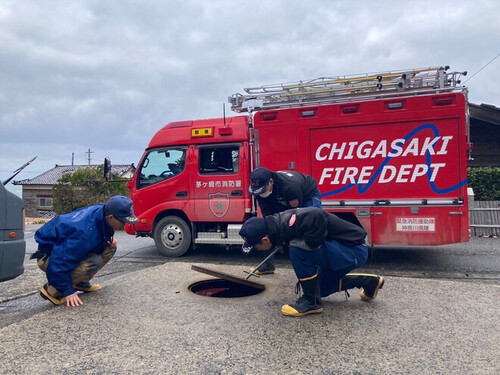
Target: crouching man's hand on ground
(73, 300)
(112, 243)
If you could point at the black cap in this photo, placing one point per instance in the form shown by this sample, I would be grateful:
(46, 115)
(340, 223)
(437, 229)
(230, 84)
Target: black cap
(259, 178)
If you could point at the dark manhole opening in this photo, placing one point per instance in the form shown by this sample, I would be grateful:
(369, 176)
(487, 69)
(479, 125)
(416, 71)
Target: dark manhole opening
(221, 288)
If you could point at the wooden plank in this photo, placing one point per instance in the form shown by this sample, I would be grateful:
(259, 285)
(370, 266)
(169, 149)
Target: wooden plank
(228, 277)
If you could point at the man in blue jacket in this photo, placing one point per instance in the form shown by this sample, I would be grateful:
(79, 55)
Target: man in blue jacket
(74, 246)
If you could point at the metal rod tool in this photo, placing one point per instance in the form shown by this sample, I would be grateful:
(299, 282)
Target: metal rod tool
(276, 249)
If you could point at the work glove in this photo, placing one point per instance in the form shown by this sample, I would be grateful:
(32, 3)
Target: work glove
(246, 250)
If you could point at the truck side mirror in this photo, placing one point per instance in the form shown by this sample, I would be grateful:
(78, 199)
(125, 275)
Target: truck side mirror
(107, 169)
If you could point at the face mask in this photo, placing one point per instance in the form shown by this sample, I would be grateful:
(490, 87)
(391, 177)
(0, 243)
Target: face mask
(267, 193)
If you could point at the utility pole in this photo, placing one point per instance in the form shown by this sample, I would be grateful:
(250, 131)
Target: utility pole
(88, 153)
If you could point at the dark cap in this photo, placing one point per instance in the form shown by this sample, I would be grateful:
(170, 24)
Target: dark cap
(121, 208)
(252, 231)
(259, 178)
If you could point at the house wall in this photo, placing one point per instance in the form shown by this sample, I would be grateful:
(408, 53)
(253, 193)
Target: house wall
(31, 197)
(486, 139)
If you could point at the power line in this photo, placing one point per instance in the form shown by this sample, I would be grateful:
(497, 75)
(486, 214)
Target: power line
(493, 59)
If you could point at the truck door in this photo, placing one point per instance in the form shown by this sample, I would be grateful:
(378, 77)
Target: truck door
(409, 173)
(218, 183)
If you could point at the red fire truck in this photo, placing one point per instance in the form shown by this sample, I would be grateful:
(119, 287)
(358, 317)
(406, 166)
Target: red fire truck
(389, 152)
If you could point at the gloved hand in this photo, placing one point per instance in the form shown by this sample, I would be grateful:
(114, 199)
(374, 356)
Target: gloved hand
(246, 250)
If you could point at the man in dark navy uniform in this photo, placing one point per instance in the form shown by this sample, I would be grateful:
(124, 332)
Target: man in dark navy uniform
(279, 191)
(323, 249)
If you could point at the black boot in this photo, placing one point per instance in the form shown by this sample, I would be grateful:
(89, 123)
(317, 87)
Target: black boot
(309, 303)
(268, 267)
(370, 284)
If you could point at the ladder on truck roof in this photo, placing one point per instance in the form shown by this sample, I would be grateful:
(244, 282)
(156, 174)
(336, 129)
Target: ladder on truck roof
(356, 87)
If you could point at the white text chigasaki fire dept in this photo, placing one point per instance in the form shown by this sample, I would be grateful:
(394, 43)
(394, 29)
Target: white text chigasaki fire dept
(400, 173)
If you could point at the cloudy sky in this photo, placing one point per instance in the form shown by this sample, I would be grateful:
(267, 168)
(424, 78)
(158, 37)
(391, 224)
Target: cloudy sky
(106, 75)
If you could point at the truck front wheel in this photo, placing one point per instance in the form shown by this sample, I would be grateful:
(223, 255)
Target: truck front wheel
(172, 236)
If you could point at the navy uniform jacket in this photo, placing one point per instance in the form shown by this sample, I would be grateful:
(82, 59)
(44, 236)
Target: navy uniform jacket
(68, 239)
(288, 185)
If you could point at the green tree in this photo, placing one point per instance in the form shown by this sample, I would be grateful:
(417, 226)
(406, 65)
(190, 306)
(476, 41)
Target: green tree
(85, 187)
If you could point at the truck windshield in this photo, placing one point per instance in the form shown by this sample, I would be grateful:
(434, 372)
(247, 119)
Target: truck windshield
(161, 164)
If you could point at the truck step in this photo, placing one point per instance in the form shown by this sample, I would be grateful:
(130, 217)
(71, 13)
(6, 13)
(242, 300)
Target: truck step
(231, 237)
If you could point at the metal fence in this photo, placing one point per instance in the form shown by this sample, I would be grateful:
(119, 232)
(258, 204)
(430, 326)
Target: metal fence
(484, 218)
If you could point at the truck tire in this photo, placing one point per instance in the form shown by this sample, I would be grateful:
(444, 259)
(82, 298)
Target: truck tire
(172, 236)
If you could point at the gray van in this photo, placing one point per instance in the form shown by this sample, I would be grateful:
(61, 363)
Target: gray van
(12, 243)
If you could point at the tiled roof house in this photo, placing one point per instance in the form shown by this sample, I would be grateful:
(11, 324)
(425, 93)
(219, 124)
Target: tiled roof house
(37, 191)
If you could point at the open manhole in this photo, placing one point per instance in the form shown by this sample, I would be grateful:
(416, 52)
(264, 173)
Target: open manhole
(227, 286)
(221, 288)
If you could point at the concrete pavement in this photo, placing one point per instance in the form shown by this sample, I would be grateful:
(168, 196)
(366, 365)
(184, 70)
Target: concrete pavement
(149, 322)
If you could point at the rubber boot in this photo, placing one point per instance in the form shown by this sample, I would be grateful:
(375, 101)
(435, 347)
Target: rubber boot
(370, 284)
(309, 303)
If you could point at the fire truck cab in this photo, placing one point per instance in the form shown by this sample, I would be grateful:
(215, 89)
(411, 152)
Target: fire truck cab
(191, 184)
(388, 150)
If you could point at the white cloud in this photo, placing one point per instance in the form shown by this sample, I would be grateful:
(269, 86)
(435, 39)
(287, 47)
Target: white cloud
(107, 75)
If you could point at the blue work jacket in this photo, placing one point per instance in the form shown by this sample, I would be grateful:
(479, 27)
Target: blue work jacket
(70, 238)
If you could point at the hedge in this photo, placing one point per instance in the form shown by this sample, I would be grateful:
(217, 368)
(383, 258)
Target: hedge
(485, 181)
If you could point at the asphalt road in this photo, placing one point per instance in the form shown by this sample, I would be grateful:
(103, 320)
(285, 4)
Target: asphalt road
(475, 261)
(437, 314)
